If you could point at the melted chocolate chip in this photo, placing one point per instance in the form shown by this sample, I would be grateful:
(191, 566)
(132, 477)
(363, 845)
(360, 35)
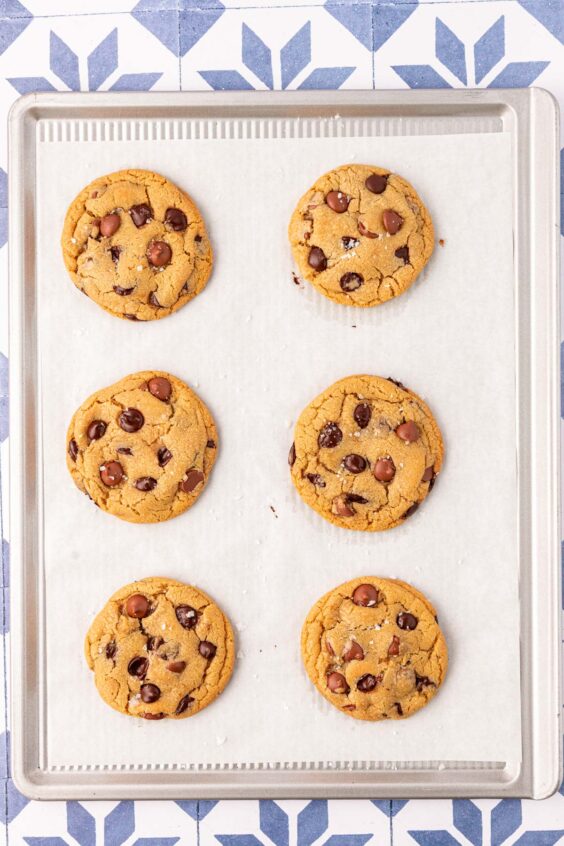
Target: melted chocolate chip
(159, 716)
(73, 449)
(194, 477)
(354, 463)
(392, 221)
(352, 497)
(124, 451)
(362, 415)
(111, 473)
(150, 692)
(367, 683)
(176, 219)
(316, 480)
(197, 238)
(402, 253)
(154, 642)
(207, 650)
(140, 214)
(186, 616)
(131, 420)
(137, 606)
(399, 709)
(428, 474)
(292, 455)
(393, 648)
(317, 259)
(384, 470)
(183, 705)
(110, 649)
(396, 382)
(376, 183)
(423, 681)
(114, 252)
(411, 510)
(211, 444)
(96, 430)
(163, 456)
(365, 595)
(337, 201)
(153, 300)
(337, 683)
(349, 242)
(176, 666)
(138, 667)
(330, 436)
(365, 232)
(146, 483)
(354, 652)
(351, 282)
(110, 224)
(408, 431)
(407, 621)
(159, 253)
(123, 292)
(160, 388)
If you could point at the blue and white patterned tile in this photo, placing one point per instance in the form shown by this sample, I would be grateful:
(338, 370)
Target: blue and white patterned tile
(479, 822)
(335, 823)
(277, 48)
(51, 8)
(98, 53)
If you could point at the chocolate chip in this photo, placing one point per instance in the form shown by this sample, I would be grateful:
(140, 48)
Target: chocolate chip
(160, 388)
(330, 649)
(153, 300)
(407, 621)
(292, 455)
(330, 436)
(365, 232)
(193, 478)
(176, 666)
(367, 683)
(140, 214)
(131, 317)
(114, 252)
(352, 497)
(197, 238)
(354, 463)
(392, 221)
(362, 415)
(337, 201)
(154, 642)
(146, 483)
(402, 253)
(138, 667)
(96, 429)
(393, 648)
(423, 681)
(123, 292)
(150, 692)
(137, 606)
(110, 650)
(376, 183)
(207, 650)
(316, 480)
(411, 510)
(111, 473)
(349, 707)
(428, 474)
(349, 242)
(163, 456)
(317, 259)
(159, 716)
(186, 616)
(183, 705)
(337, 683)
(351, 281)
(408, 431)
(109, 224)
(365, 595)
(341, 506)
(399, 709)
(384, 470)
(354, 652)
(131, 420)
(211, 444)
(73, 449)
(396, 382)
(159, 253)
(124, 451)
(176, 219)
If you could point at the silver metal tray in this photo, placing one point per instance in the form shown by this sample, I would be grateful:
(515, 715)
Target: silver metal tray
(530, 117)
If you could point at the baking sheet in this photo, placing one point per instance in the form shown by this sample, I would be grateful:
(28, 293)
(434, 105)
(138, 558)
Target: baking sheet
(258, 348)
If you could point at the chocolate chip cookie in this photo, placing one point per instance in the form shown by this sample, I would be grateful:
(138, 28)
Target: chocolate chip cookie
(142, 449)
(361, 235)
(374, 649)
(366, 453)
(137, 245)
(160, 648)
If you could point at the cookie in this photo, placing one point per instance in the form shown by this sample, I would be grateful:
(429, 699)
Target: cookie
(137, 245)
(374, 649)
(366, 453)
(361, 235)
(143, 448)
(160, 648)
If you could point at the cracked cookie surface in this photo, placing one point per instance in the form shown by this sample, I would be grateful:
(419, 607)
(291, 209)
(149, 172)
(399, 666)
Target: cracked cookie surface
(136, 244)
(374, 649)
(143, 448)
(366, 452)
(160, 648)
(361, 235)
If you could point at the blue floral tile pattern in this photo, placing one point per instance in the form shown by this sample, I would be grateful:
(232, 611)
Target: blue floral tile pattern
(144, 45)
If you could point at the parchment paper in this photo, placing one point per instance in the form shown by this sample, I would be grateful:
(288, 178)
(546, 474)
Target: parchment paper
(257, 348)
